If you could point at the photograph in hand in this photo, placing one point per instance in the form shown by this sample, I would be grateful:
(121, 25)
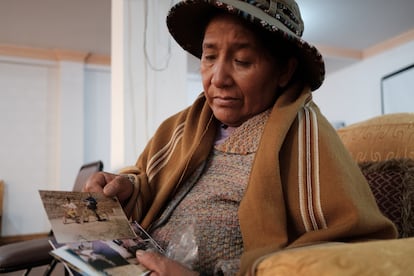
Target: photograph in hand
(82, 216)
(93, 236)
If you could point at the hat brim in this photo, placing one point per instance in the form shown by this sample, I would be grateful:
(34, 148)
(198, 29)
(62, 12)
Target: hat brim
(187, 21)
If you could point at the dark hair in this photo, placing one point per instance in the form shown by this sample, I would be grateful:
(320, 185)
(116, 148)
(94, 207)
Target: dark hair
(282, 51)
(278, 48)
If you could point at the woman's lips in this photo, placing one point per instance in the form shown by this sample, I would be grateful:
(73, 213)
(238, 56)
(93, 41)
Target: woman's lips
(225, 101)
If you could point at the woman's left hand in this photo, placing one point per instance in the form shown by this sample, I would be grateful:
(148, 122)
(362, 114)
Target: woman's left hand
(161, 265)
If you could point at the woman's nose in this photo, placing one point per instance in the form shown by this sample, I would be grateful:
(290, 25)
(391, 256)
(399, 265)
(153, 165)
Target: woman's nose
(222, 74)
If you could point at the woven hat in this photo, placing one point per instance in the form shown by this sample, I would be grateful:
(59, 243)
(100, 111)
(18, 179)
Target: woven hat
(187, 21)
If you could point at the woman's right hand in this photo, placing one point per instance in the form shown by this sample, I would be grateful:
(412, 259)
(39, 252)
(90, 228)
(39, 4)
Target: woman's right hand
(161, 265)
(110, 185)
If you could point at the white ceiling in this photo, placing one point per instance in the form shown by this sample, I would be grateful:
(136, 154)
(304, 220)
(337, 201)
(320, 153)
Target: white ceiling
(354, 24)
(84, 25)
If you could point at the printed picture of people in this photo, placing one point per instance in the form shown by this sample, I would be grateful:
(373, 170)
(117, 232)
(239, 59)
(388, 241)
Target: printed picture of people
(116, 257)
(79, 216)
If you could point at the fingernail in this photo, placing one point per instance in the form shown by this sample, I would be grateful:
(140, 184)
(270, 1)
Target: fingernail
(139, 253)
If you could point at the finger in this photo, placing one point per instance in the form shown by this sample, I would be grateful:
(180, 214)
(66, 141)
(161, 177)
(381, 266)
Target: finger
(94, 183)
(120, 186)
(152, 261)
(161, 265)
(97, 182)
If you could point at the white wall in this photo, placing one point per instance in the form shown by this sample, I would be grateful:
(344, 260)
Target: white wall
(28, 141)
(45, 128)
(97, 103)
(354, 93)
(148, 76)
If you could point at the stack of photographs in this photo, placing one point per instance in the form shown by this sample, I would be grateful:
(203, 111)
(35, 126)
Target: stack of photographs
(93, 236)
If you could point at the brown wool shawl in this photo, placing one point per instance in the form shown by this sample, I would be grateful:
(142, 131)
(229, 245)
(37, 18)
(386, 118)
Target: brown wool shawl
(304, 186)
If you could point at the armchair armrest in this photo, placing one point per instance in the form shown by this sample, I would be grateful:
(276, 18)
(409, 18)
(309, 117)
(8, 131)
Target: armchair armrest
(381, 258)
(25, 255)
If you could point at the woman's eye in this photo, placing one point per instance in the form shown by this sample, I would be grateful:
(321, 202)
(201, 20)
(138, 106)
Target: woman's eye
(209, 57)
(242, 62)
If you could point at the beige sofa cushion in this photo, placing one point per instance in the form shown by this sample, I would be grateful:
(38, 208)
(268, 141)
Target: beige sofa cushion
(381, 138)
(380, 258)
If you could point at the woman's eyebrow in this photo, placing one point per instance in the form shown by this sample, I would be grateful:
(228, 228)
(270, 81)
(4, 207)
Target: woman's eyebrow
(236, 45)
(208, 45)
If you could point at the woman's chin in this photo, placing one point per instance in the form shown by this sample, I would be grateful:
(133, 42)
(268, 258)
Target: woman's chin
(229, 121)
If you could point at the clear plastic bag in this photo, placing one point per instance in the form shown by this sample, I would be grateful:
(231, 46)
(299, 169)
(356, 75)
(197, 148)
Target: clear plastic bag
(227, 267)
(183, 246)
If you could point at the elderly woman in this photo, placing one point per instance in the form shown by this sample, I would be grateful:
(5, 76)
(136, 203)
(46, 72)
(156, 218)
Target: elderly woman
(252, 165)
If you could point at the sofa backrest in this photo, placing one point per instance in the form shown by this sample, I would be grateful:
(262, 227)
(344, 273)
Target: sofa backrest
(384, 137)
(383, 147)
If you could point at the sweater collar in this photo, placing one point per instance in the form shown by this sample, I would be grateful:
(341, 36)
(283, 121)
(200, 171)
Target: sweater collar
(243, 139)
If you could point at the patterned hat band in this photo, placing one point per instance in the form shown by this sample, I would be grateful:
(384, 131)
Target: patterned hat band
(187, 20)
(286, 13)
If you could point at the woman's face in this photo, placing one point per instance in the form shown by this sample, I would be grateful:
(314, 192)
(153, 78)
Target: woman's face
(240, 78)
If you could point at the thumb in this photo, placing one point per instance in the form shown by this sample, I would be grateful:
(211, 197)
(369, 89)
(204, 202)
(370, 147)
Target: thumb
(151, 260)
